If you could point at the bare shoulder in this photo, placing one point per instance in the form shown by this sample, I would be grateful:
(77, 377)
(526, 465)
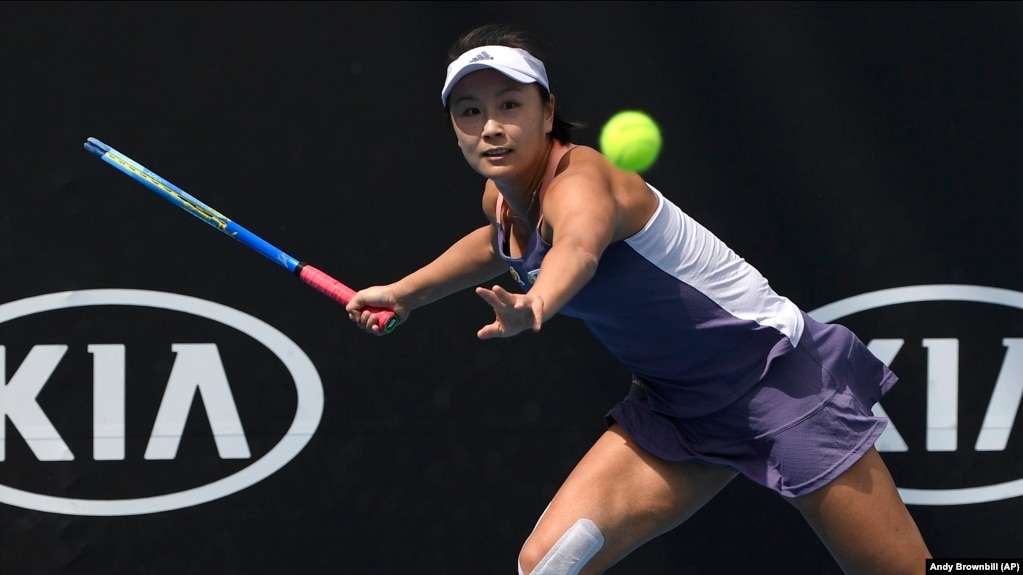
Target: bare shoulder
(582, 170)
(490, 194)
(583, 160)
(586, 173)
(585, 165)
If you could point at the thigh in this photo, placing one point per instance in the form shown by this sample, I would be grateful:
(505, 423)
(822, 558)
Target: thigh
(630, 495)
(862, 520)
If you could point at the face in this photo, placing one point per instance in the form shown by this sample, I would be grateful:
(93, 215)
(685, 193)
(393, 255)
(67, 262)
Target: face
(501, 125)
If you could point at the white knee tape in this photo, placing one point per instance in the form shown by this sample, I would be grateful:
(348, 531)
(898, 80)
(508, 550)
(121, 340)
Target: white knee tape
(571, 552)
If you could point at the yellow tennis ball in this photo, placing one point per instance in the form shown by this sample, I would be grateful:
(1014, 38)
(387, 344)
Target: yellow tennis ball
(631, 140)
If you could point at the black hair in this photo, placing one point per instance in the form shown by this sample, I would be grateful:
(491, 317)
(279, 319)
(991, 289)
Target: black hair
(503, 35)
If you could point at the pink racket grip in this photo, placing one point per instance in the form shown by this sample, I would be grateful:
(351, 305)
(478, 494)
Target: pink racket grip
(342, 294)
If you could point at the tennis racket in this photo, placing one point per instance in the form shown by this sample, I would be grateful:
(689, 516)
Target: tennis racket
(319, 280)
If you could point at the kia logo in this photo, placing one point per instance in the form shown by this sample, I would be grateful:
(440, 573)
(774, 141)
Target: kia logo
(51, 424)
(934, 364)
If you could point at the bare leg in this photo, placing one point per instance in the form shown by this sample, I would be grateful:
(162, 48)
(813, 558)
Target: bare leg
(863, 522)
(630, 495)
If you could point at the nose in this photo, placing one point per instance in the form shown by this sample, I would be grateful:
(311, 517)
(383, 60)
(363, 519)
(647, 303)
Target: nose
(492, 128)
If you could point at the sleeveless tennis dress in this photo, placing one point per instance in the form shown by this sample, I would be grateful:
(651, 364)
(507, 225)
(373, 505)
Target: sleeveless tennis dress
(725, 370)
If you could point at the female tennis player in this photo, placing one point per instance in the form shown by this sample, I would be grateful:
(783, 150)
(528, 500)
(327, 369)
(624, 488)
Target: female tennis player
(729, 376)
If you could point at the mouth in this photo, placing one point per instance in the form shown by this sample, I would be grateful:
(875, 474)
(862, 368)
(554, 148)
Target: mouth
(496, 152)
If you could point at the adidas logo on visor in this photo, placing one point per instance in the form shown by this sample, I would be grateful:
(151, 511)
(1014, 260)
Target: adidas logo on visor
(481, 56)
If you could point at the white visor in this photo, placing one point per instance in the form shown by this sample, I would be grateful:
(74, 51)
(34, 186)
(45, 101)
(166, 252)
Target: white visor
(515, 63)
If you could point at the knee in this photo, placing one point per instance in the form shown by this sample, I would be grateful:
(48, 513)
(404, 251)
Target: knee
(530, 555)
(567, 556)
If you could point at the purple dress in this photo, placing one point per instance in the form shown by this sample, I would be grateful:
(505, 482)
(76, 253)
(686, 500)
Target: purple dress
(726, 371)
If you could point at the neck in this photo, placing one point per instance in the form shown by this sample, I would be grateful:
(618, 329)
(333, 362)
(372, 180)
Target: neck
(525, 202)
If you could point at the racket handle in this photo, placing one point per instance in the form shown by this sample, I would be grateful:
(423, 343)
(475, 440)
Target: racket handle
(342, 294)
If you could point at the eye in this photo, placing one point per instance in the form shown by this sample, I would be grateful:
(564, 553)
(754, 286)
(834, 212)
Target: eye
(509, 105)
(470, 112)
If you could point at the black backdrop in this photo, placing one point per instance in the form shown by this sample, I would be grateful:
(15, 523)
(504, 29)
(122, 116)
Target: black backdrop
(843, 148)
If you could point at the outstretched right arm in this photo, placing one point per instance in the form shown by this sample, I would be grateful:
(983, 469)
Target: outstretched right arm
(468, 262)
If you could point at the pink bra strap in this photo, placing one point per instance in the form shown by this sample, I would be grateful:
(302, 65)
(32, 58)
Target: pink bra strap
(558, 151)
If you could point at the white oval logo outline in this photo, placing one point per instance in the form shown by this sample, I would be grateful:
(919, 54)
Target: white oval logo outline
(925, 293)
(308, 411)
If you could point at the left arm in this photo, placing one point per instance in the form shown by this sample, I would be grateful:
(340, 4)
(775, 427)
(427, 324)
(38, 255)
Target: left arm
(581, 210)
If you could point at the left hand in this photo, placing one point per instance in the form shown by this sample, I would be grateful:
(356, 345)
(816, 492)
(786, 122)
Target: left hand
(515, 313)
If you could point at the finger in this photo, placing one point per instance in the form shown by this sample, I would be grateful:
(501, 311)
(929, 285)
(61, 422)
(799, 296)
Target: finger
(506, 297)
(366, 319)
(490, 331)
(371, 325)
(490, 297)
